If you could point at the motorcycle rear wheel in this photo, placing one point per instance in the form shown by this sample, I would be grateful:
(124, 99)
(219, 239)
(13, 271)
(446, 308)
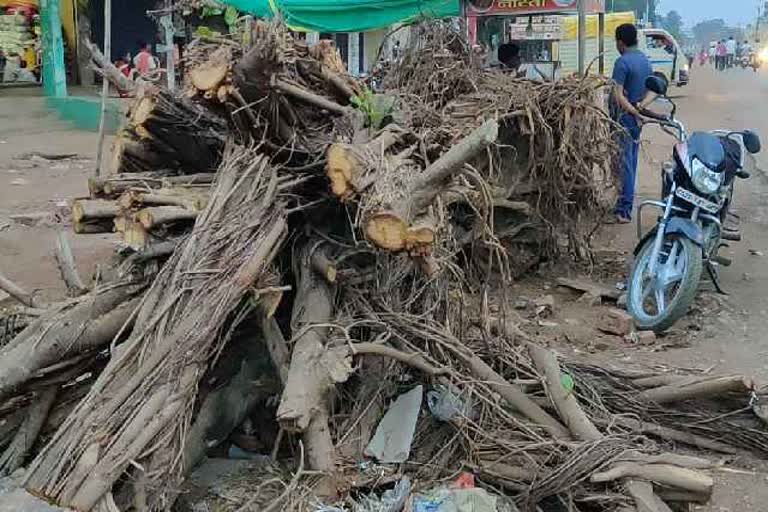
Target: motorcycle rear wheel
(657, 302)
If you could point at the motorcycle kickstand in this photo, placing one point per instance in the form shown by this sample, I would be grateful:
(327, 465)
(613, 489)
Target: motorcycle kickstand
(714, 275)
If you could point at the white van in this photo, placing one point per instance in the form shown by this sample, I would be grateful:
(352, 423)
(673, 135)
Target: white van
(666, 55)
(664, 52)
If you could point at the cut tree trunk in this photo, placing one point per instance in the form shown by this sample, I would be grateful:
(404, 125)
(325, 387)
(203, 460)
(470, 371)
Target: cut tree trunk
(180, 130)
(669, 434)
(703, 388)
(350, 164)
(663, 474)
(392, 228)
(157, 216)
(90, 210)
(315, 369)
(131, 154)
(89, 323)
(186, 198)
(208, 76)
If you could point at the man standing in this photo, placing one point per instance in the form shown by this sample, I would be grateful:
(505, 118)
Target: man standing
(730, 48)
(629, 74)
(722, 55)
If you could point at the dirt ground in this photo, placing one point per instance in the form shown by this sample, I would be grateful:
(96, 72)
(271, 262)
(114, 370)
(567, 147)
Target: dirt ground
(42, 189)
(721, 335)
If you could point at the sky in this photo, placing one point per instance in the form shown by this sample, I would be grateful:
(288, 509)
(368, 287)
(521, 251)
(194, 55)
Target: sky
(734, 12)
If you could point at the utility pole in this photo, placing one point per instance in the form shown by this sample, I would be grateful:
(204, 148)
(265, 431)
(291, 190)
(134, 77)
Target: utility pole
(105, 84)
(647, 13)
(582, 36)
(757, 22)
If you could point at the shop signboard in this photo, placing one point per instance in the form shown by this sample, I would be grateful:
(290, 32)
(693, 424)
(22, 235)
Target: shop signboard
(518, 7)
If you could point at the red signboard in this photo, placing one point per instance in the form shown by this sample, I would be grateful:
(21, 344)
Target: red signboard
(515, 7)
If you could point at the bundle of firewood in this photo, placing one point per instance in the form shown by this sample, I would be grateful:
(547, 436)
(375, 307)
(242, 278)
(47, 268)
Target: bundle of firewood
(301, 251)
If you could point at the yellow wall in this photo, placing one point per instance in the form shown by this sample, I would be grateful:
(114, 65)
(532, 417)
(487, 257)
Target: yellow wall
(612, 22)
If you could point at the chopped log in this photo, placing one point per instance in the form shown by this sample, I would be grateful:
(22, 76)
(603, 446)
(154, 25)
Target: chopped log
(663, 474)
(702, 388)
(157, 216)
(183, 324)
(84, 210)
(209, 75)
(18, 293)
(315, 369)
(188, 199)
(179, 130)
(84, 325)
(348, 163)
(133, 232)
(563, 399)
(132, 154)
(391, 228)
(14, 455)
(67, 267)
(112, 186)
(669, 434)
(673, 459)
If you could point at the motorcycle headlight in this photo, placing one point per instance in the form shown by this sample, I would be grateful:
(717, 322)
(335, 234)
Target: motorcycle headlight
(703, 179)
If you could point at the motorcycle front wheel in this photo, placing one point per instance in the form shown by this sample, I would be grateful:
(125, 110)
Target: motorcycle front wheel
(657, 301)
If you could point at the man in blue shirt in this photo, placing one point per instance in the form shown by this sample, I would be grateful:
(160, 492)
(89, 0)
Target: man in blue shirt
(629, 74)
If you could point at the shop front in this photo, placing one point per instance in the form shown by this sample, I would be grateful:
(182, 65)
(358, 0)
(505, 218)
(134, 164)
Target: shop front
(22, 37)
(535, 26)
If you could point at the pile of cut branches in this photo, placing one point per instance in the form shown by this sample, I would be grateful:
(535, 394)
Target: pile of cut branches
(298, 253)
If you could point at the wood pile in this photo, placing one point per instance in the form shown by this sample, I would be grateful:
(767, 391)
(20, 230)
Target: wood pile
(302, 255)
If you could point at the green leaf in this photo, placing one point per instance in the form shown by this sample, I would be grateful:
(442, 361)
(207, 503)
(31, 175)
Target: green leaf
(567, 382)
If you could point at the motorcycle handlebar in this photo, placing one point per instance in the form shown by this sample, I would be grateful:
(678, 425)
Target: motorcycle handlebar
(654, 115)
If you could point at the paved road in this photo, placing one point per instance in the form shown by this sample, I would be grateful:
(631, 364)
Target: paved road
(737, 340)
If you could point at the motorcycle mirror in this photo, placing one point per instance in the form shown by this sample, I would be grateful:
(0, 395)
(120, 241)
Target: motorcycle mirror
(751, 141)
(657, 84)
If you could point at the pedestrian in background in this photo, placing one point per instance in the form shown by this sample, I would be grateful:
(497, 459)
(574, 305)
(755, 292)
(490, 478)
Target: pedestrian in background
(730, 48)
(631, 70)
(722, 55)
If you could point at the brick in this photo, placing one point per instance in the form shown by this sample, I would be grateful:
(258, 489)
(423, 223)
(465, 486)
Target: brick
(617, 322)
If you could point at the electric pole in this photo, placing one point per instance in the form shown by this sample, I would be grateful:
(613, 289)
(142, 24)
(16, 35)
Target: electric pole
(582, 36)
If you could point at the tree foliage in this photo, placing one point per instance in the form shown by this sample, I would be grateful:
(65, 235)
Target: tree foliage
(673, 23)
(639, 6)
(713, 30)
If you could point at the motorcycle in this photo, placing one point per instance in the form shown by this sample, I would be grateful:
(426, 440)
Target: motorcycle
(750, 61)
(697, 191)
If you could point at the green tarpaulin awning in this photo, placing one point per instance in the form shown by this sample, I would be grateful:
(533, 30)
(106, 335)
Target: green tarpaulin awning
(348, 15)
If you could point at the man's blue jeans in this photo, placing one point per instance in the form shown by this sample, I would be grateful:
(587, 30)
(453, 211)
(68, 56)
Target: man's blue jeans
(630, 149)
